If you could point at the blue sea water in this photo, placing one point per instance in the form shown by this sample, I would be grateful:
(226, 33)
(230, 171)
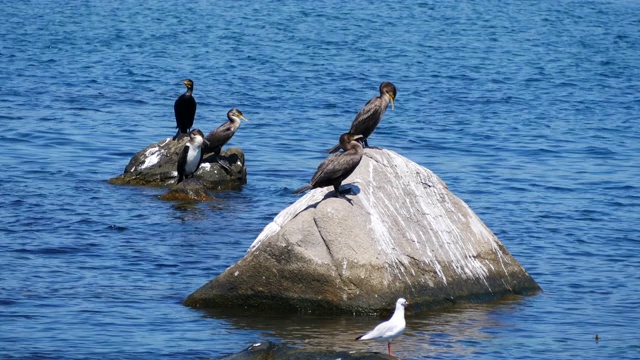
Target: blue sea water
(529, 111)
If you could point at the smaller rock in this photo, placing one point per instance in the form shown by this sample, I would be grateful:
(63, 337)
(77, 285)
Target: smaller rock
(188, 190)
(156, 166)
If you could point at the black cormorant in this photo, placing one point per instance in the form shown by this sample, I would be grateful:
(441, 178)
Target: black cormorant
(337, 167)
(191, 155)
(369, 117)
(185, 110)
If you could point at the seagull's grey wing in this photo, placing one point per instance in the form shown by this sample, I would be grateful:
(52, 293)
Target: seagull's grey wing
(378, 332)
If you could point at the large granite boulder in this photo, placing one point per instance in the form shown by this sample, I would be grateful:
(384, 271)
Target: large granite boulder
(156, 166)
(402, 233)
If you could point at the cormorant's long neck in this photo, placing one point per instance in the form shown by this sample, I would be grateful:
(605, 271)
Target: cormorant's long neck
(235, 122)
(189, 91)
(355, 147)
(384, 97)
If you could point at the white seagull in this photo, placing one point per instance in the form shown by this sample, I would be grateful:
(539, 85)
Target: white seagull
(391, 329)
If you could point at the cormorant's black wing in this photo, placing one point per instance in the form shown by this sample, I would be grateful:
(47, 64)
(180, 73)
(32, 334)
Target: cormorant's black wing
(185, 111)
(335, 167)
(367, 118)
(182, 162)
(221, 135)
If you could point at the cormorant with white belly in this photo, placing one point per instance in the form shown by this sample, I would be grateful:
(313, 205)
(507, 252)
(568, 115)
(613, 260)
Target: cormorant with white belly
(191, 155)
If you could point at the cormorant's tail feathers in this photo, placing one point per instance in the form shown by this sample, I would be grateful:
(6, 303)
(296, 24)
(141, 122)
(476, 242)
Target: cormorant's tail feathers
(303, 189)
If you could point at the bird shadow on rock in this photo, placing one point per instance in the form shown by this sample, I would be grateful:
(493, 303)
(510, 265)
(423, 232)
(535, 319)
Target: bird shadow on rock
(350, 189)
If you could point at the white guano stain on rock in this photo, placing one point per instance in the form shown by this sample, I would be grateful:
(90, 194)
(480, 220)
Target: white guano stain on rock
(414, 222)
(420, 201)
(153, 155)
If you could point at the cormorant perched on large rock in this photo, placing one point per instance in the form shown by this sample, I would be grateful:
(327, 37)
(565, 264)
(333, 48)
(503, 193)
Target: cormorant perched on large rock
(185, 110)
(220, 136)
(369, 117)
(336, 168)
(191, 155)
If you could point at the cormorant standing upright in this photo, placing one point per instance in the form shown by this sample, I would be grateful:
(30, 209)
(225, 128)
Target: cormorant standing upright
(191, 155)
(220, 136)
(334, 169)
(185, 110)
(370, 115)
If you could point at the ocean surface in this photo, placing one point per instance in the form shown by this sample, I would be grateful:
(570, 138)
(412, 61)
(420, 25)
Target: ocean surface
(528, 110)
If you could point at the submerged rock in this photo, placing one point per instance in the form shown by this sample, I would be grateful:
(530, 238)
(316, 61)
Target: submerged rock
(403, 233)
(268, 350)
(156, 166)
(188, 190)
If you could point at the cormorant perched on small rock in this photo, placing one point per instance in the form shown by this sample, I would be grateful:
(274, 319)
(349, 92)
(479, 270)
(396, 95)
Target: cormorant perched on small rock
(336, 168)
(220, 136)
(369, 117)
(191, 155)
(185, 110)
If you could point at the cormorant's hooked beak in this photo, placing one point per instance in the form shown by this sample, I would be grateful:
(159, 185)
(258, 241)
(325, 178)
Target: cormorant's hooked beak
(244, 118)
(204, 139)
(392, 101)
(356, 137)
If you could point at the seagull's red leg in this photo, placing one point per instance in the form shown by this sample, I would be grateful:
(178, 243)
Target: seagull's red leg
(389, 346)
